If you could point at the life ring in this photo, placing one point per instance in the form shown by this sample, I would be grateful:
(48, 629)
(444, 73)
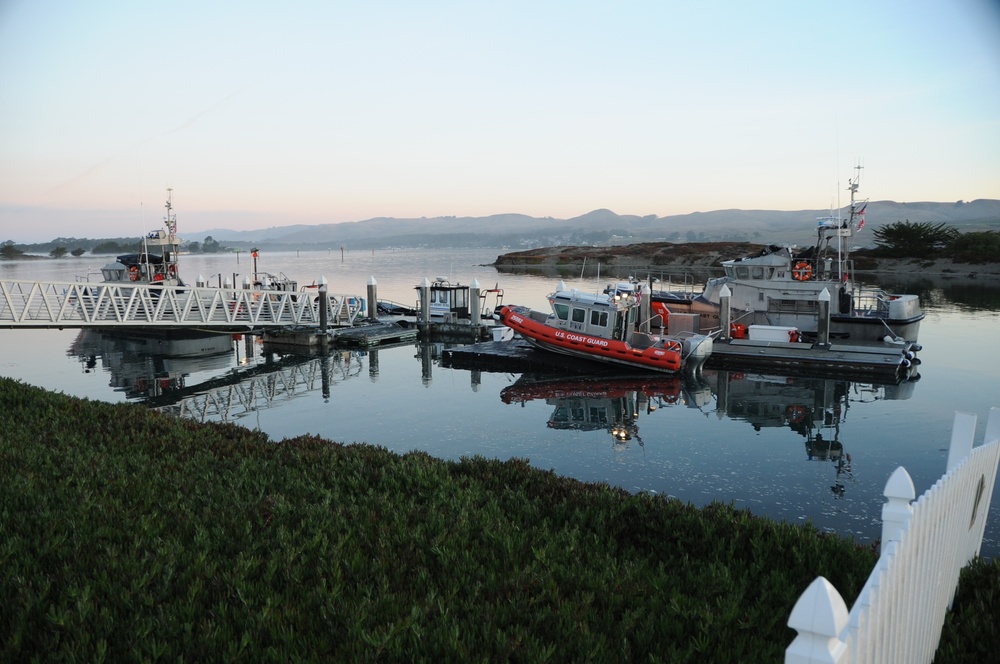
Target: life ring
(672, 345)
(172, 270)
(133, 273)
(802, 271)
(796, 414)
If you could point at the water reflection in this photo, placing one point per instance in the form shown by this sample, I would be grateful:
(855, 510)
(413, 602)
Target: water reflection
(595, 404)
(210, 376)
(813, 408)
(148, 365)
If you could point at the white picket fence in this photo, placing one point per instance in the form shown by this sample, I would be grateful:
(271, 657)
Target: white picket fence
(900, 612)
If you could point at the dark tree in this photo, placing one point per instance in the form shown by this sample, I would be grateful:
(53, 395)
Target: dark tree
(906, 239)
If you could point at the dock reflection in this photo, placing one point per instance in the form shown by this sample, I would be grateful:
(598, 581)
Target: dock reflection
(211, 377)
(813, 408)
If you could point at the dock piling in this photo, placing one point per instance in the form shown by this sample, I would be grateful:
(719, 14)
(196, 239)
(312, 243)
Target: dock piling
(424, 322)
(372, 299)
(323, 299)
(475, 318)
(725, 313)
(823, 324)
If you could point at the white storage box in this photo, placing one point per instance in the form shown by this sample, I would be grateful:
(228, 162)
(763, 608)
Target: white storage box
(773, 333)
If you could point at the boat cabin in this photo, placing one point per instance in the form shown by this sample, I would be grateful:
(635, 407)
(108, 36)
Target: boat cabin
(604, 315)
(448, 302)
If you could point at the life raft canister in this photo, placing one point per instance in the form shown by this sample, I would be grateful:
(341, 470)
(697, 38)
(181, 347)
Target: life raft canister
(802, 271)
(796, 414)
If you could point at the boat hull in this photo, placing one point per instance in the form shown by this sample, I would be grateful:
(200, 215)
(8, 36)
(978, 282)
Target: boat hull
(664, 358)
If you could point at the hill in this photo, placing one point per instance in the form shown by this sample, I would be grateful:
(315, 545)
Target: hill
(605, 227)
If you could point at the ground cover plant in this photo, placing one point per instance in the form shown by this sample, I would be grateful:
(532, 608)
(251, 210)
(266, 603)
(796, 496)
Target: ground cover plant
(128, 535)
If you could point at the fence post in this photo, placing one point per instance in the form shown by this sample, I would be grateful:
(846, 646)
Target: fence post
(897, 511)
(963, 431)
(819, 617)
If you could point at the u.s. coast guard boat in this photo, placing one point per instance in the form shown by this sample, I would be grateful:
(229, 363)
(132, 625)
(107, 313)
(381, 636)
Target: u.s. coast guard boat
(610, 327)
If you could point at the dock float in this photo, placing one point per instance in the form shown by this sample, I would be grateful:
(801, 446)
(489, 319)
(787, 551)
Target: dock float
(355, 336)
(518, 356)
(883, 363)
(886, 361)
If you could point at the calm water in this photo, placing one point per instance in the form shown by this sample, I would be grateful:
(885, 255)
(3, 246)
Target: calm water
(790, 448)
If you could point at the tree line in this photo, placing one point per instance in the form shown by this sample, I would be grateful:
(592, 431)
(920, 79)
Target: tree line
(117, 246)
(906, 239)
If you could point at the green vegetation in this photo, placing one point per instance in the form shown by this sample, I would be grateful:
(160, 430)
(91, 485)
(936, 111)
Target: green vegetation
(125, 534)
(128, 535)
(116, 247)
(58, 252)
(981, 247)
(9, 251)
(905, 239)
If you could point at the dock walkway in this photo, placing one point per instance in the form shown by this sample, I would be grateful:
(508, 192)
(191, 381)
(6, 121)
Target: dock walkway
(27, 304)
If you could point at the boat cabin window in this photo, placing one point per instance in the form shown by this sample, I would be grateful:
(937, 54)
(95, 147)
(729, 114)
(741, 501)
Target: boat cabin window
(579, 315)
(757, 272)
(729, 271)
(770, 273)
(742, 273)
(599, 318)
(561, 310)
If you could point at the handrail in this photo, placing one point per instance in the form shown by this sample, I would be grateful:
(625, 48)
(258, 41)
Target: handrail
(26, 304)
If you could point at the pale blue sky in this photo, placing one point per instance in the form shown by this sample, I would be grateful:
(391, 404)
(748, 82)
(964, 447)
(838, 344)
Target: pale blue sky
(263, 113)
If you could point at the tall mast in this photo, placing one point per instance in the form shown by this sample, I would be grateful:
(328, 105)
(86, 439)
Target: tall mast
(170, 219)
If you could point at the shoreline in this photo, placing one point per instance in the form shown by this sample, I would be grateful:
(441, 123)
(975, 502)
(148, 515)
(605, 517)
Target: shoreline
(701, 258)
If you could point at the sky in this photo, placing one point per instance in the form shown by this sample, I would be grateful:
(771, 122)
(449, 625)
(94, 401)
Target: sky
(260, 114)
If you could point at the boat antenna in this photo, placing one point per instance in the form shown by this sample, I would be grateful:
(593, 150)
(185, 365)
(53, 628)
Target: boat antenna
(142, 222)
(171, 219)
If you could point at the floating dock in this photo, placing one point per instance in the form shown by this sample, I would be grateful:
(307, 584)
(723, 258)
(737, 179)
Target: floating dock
(356, 336)
(518, 356)
(888, 361)
(372, 334)
(885, 362)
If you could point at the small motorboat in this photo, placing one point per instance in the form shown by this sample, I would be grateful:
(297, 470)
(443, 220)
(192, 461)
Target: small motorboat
(611, 327)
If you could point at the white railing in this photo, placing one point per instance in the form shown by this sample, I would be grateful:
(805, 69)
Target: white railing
(900, 612)
(28, 304)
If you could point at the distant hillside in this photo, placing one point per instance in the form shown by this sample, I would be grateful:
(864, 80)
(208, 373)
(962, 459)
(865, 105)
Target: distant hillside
(604, 227)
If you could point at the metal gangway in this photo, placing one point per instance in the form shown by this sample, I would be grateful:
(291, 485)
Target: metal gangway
(32, 304)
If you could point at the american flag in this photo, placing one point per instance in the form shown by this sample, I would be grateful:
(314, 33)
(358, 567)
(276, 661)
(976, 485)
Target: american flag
(861, 222)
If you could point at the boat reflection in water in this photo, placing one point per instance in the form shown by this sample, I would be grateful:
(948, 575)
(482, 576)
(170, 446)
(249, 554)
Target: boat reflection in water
(594, 404)
(814, 408)
(149, 364)
(211, 376)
